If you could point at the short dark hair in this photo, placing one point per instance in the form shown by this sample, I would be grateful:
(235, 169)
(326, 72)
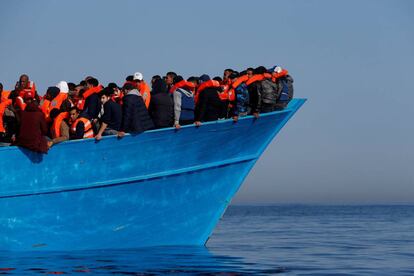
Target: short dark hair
(128, 86)
(129, 78)
(82, 83)
(92, 81)
(107, 91)
(74, 108)
(172, 74)
(218, 79)
(193, 79)
(71, 86)
(229, 70)
(249, 69)
(260, 70)
(54, 113)
(177, 79)
(1, 85)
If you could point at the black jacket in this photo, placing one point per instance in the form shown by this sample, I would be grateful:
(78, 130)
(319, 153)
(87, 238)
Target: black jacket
(92, 107)
(161, 108)
(209, 107)
(135, 118)
(112, 115)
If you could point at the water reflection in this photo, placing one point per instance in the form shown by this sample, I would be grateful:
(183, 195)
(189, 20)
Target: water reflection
(147, 261)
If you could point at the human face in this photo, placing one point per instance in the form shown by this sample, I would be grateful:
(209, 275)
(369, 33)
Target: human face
(73, 115)
(24, 80)
(226, 74)
(250, 73)
(169, 79)
(104, 99)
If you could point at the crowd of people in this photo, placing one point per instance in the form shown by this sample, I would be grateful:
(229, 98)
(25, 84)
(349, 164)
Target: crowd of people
(90, 110)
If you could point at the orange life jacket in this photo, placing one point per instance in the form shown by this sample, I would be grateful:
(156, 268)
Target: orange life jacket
(276, 75)
(19, 102)
(5, 95)
(31, 87)
(58, 100)
(239, 81)
(145, 91)
(204, 85)
(88, 132)
(90, 91)
(3, 106)
(183, 84)
(57, 122)
(258, 77)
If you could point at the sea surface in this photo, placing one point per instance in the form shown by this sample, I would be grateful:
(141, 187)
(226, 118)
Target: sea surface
(258, 240)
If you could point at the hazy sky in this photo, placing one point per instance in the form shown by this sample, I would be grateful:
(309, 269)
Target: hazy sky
(352, 142)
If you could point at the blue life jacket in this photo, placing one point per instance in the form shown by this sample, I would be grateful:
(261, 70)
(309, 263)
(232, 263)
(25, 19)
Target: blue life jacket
(287, 89)
(242, 96)
(187, 104)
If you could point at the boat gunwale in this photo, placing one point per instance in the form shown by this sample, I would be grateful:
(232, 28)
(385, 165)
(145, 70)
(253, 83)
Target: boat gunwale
(69, 142)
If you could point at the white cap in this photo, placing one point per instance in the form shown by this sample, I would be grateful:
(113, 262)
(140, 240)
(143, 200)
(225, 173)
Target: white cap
(63, 86)
(278, 69)
(138, 76)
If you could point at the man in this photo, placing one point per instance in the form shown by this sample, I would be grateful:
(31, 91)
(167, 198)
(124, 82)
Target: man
(209, 106)
(33, 127)
(112, 116)
(24, 85)
(143, 88)
(81, 127)
(161, 108)
(4, 95)
(90, 103)
(46, 103)
(135, 117)
(184, 104)
(60, 130)
(169, 79)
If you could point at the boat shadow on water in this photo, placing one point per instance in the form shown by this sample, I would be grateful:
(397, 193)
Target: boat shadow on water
(189, 260)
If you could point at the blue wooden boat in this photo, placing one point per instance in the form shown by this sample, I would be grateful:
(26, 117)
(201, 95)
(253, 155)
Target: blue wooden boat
(162, 187)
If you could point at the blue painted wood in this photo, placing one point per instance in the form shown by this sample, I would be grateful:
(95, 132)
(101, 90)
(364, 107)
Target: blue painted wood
(162, 187)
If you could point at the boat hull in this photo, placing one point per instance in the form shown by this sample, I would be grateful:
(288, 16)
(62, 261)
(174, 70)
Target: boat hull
(162, 187)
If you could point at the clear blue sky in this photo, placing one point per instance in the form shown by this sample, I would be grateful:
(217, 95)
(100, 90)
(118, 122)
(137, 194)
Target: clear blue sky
(353, 141)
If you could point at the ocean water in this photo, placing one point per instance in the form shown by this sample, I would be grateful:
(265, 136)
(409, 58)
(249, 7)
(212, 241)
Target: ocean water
(258, 240)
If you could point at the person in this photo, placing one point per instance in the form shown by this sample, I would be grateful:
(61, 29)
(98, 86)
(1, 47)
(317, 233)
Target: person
(143, 88)
(135, 117)
(33, 127)
(25, 85)
(184, 104)
(110, 122)
(116, 93)
(161, 108)
(46, 103)
(81, 127)
(253, 86)
(90, 103)
(209, 106)
(61, 101)
(60, 128)
(169, 79)
(4, 95)
(8, 121)
(226, 75)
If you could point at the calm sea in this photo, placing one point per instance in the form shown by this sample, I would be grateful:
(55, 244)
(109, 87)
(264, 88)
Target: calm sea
(265, 240)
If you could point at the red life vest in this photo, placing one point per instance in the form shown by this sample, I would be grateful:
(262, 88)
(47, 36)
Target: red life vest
(88, 132)
(276, 75)
(188, 85)
(258, 77)
(5, 95)
(57, 122)
(145, 92)
(58, 100)
(90, 91)
(3, 106)
(204, 85)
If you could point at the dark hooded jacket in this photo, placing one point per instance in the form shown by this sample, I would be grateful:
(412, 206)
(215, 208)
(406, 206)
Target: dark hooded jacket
(33, 128)
(161, 107)
(135, 117)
